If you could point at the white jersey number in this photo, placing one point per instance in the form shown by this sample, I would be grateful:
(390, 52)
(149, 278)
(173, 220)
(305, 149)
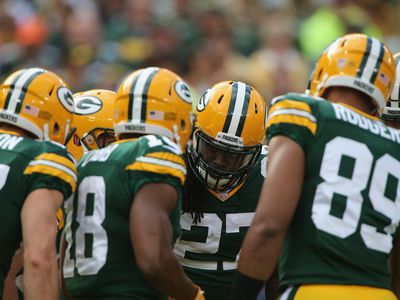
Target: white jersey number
(214, 231)
(352, 188)
(91, 187)
(4, 170)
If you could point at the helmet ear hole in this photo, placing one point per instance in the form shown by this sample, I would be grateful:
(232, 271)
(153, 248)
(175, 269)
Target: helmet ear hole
(319, 74)
(56, 129)
(183, 124)
(220, 99)
(255, 108)
(51, 90)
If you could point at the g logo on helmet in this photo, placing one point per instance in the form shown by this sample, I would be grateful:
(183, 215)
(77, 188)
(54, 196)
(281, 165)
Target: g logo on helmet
(66, 98)
(201, 105)
(182, 90)
(87, 105)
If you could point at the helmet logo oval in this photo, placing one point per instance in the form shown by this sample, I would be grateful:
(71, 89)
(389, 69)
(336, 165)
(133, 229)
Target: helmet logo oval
(87, 105)
(201, 105)
(182, 90)
(66, 98)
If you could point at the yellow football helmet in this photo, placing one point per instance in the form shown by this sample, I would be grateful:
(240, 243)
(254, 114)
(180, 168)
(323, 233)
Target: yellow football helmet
(392, 109)
(359, 62)
(154, 101)
(228, 135)
(93, 121)
(37, 101)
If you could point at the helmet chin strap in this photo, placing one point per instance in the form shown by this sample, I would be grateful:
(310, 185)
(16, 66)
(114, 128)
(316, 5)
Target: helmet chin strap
(175, 134)
(46, 132)
(85, 150)
(66, 135)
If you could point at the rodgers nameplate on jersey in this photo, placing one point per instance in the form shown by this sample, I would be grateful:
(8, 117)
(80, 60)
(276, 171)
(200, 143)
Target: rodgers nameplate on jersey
(347, 232)
(209, 250)
(27, 165)
(99, 261)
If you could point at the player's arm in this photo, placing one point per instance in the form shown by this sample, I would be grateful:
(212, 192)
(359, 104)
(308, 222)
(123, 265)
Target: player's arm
(272, 286)
(277, 204)
(10, 290)
(39, 238)
(151, 235)
(395, 266)
(63, 249)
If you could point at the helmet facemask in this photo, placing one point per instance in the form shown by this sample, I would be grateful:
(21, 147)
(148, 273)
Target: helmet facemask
(220, 166)
(391, 112)
(98, 138)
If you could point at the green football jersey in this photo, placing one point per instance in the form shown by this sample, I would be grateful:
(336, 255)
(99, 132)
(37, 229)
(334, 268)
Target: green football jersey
(209, 250)
(343, 228)
(27, 165)
(99, 261)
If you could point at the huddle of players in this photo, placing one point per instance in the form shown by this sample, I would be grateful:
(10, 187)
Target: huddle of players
(139, 224)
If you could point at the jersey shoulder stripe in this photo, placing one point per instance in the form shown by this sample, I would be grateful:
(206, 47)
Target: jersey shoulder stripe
(167, 156)
(54, 165)
(57, 159)
(159, 166)
(292, 111)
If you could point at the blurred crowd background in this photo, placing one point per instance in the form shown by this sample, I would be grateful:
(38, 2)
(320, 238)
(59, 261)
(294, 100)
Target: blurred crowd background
(271, 44)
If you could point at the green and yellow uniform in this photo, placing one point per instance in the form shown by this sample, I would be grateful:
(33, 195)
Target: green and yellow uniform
(349, 208)
(99, 261)
(209, 250)
(27, 165)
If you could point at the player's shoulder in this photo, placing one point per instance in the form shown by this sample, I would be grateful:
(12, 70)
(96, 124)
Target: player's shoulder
(148, 143)
(156, 143)
(32, 148)
(153, 148)
(51, 146)
(49, 158)
(296, 101)
(51, 149)
(158, 154)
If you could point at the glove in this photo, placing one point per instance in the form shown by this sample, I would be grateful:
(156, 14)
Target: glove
(199, 294)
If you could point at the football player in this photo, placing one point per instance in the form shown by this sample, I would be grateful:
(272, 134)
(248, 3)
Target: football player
(330, 204)
(391, 112)
(93, 121)
(124, 217)
(36, 174)
(226, 168)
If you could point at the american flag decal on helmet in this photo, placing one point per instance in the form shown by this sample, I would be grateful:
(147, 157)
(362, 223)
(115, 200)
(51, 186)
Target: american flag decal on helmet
(31, 110)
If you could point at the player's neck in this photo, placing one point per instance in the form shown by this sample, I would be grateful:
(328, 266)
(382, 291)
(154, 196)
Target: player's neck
(352, 98)
(393, 123)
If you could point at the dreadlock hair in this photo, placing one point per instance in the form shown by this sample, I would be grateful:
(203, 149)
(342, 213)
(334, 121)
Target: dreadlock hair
(192, 191)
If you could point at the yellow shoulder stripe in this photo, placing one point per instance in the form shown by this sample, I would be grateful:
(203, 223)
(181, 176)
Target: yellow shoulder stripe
(155, 165)
(52, 171)
(167, 156)
(289, 104)
(159, 169)
(57, 159)
(292, 119)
